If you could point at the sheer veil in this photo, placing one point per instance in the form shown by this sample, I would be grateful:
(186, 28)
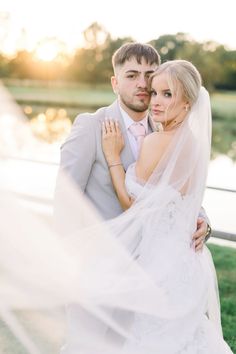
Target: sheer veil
(138, 265)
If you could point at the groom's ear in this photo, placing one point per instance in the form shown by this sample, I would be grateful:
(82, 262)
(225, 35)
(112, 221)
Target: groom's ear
(114, 84)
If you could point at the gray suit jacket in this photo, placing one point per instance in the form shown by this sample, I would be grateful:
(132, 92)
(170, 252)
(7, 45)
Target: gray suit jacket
(83, 159)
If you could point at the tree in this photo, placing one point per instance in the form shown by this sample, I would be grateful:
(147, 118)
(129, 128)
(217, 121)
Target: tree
(4, 66)
(169, 45)
(92, 63)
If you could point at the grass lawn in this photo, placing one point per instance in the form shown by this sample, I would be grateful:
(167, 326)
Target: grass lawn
(225, 263)
(99, 95)
(73, 95)
(224, 103)
(85, 97)
(74, 99)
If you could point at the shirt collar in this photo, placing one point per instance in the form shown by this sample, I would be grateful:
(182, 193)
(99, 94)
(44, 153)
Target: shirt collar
(129, 121)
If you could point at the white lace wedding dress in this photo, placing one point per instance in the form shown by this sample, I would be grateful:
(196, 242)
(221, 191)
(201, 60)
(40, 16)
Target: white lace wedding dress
(166, 254)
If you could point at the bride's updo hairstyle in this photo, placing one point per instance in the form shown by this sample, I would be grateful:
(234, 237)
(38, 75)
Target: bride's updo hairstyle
(181, 74)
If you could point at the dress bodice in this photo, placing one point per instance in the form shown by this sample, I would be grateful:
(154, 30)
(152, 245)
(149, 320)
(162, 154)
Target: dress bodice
(134, 188)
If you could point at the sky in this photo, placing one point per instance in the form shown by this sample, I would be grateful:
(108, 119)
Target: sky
(143, 20)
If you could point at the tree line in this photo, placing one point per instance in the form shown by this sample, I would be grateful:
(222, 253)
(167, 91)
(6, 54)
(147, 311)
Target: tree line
(92, 63)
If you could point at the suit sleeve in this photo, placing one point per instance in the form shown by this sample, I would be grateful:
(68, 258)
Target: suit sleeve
(79, 151)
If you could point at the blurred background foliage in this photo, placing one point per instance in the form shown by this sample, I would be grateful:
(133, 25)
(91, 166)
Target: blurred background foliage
(48, 78)
(92, 63)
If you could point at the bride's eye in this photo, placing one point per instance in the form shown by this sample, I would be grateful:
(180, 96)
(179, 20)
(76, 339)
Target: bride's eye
(167, 94)
(153, 93)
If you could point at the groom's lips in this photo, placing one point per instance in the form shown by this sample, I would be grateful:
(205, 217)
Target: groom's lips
(142, 94)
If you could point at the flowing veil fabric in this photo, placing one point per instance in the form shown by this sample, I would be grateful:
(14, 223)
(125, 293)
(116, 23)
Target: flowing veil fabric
(133, 275)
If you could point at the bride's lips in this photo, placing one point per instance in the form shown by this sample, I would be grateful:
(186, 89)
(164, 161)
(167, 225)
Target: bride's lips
(157, 111)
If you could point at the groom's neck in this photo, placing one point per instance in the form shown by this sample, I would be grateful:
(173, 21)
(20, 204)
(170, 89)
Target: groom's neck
(134, 115)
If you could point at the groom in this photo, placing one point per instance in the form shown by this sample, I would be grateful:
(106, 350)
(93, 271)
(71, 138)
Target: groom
(81, 154)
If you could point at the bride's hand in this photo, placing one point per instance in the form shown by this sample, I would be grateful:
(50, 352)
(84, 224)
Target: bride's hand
(112, 140)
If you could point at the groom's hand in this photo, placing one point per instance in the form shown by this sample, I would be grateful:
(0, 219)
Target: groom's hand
(200, 234)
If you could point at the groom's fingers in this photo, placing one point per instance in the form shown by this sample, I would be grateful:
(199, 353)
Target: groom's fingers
(199, 234)
(201, 228)
(199, 243)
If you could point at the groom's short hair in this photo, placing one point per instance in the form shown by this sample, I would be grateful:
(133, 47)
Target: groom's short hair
(138, 51)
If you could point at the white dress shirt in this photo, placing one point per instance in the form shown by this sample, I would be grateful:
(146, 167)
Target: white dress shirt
(128, 122)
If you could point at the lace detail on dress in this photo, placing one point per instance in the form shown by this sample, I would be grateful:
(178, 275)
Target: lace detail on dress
(166, 255)
(197, 344)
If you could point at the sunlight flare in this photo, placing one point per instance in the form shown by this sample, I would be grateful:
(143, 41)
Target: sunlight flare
(48, 50)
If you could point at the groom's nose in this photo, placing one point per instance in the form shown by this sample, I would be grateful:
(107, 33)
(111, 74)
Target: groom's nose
(142, 81)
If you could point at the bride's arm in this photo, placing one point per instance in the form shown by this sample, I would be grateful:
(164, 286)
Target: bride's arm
(112, 145)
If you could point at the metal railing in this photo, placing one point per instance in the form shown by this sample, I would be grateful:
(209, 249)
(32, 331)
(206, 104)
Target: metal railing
(49, 201)
(18, 158)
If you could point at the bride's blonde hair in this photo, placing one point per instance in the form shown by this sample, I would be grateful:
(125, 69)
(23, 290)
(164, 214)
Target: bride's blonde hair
(183, 74)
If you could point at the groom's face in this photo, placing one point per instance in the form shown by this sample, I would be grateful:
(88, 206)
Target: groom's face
(130, 84)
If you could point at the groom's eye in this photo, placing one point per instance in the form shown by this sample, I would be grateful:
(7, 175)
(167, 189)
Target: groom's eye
(131, 76)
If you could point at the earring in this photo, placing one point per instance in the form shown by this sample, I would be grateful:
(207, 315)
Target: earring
(186, 108)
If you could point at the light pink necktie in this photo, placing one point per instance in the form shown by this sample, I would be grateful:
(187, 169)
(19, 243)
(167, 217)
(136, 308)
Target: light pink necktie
(138, 131)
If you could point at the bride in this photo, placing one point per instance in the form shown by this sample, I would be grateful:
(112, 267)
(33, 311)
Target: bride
(164, 191)
(137, 281)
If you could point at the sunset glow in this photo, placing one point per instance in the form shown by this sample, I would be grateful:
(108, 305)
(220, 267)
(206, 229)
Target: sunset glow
(23, 23)
(47, 51)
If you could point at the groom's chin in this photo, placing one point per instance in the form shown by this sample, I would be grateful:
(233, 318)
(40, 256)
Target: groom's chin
(140, 107)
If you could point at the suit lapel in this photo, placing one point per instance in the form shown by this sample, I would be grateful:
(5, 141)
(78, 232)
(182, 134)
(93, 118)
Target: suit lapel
(151, 125)
(154, 127)
(113, 112)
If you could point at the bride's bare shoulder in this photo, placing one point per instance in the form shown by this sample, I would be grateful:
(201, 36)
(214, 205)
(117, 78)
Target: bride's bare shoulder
(153, 147)
(156, 139)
